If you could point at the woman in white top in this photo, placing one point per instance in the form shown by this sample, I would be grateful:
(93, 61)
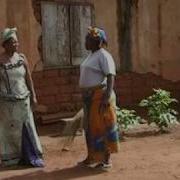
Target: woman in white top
(97, 74)
(19, 142)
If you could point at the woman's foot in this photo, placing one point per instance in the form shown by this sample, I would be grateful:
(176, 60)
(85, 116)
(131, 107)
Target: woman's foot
(107, 163)
(89, 163)
(84, 162)
(104, 166)
(37, 163)
(93, 164)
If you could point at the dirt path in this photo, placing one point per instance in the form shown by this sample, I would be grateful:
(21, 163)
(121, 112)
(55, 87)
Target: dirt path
(141, 158)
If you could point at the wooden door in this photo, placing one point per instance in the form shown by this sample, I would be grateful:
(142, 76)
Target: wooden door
(81, 19)
(55, 29)
(64, 28)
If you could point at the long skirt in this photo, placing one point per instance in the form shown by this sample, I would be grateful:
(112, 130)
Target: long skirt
(101, 130)
(19, 141)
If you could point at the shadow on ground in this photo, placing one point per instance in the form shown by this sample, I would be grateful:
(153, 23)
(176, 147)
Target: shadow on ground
(65, 174)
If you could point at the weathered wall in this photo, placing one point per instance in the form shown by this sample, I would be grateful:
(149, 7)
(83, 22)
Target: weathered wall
(106, 17)
(61, 94)
(155, 32)
(156, 38)
(155, 48)
(105, 11)
(2, 15)
(19, 13)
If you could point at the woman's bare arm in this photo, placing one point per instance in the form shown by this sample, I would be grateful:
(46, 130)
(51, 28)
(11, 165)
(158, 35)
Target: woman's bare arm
(29, 82)
(107, 94)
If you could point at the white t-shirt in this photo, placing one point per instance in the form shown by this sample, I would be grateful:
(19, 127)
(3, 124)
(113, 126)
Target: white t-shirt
(95, 68)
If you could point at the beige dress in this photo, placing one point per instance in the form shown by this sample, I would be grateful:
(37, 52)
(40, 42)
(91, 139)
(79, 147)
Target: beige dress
(18, 136)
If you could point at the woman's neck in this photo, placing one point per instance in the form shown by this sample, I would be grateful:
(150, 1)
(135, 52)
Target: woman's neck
(94, 50)
(9, 53)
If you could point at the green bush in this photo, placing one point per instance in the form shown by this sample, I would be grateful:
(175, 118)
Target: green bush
(126, 119)
(159, 110)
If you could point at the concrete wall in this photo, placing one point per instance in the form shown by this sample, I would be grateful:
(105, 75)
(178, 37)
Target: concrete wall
(156, 38)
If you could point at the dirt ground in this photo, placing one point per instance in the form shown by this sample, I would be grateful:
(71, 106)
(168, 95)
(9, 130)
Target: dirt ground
(144, 155)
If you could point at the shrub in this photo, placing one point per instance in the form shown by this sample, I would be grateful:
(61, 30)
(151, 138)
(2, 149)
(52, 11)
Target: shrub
(159, 110)
(126, 119)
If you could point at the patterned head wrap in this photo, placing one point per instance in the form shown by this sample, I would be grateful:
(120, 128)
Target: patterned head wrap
(97, 32)
(8, 33)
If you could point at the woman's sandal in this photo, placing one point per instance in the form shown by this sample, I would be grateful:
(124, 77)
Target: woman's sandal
(93, 164)
(84, 162)
(89, 163)
(104, 166)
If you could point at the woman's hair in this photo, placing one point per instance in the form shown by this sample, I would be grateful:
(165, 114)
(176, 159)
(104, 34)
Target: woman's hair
(7, 34)
(6, 42)
(98, 34)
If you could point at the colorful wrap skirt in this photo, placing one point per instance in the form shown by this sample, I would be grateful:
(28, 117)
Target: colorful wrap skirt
(101, 130)
(19, 141)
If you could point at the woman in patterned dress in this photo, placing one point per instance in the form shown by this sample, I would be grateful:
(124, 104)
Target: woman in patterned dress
(19, 142)
(96, 81)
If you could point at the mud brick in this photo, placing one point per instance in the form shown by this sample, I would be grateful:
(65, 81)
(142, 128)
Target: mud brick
(124, 100)
(76, 97)
(177, 85)
(63, 98)
(139, 81)
(78, 105)
(77, 89)
(50, 90)
(37, 75)
(54, 108)
(38, 83)
(168, 85)
(65, 72)
(76, 72)
(62, 80)
(123, 83)
(46, 82)
(66, 89)
(151, 75)
(75, 79)
(47, 100)
(123, 91)
(125, 76)
(139, 94)
(67, 107)
(51, 73)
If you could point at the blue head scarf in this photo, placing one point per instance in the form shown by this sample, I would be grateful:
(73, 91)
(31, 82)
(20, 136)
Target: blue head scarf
(97, 32)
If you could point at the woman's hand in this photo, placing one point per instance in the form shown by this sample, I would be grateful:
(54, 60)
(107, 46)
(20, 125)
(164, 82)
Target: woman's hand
(30, 85)
(34, 103)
